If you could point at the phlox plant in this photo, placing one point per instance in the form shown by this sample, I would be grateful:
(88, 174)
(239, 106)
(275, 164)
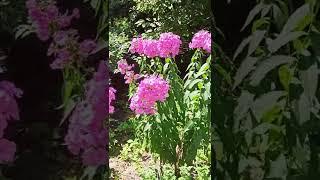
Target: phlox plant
(85, 90)
(172, 113)
(9, 111)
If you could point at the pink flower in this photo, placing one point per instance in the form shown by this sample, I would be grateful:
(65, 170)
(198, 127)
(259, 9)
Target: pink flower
(86, 130)
(87, 46)
(112, 97)
(201, 40)
(150, 48)
(61, 37)
(7, 151)
(46, 18)
(62, 59)
(136, 45)
(150, 90)
(169, 45)
(123, 66)
(9, 108)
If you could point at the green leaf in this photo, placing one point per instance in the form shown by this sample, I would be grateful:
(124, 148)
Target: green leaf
(278, 16)
(252, 15)
(285, 76)
(268, 65)
(264, 127)
(265, 103)
(272, 114)
(278, 168)
(68, 109)
(303, 109)
(295, 18)
(23, 30)
(245, 68)
(218, 147)
(242, 45)
(283, 39)
(244, 103)
(89, 172)
(256, 39)
(260, 22)
(309, 80)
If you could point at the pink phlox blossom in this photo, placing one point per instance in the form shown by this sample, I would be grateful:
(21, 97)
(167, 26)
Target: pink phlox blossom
(7, 151)
(112, 97)
(137, 45)
(201, 40)
(86, 130)
(150, 90)
(150, 48)
(169, 45)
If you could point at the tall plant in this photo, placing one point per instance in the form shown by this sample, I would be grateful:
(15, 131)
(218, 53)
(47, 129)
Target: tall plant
(178, 125)
(272, 121)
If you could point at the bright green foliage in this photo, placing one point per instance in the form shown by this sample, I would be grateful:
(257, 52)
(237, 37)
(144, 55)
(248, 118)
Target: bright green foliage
(182, 125)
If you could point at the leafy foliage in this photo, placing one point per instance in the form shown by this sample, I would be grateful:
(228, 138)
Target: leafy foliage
(271, 115)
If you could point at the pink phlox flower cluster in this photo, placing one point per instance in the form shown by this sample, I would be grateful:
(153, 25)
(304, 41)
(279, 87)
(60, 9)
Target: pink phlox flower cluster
(112, 97)
(137, 45)
(9, 111)
(48, 23)
(127, 71)
(130, 76)
(150, 48)
(46, 18)
(150, 90)
(201, 40)
(168, 45)
(65, 47)
(123, 66)
(86, 134)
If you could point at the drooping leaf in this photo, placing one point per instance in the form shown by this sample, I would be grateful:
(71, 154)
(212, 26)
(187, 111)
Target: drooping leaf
(245, 68)
(256, 39)
(309, 79)
(303, 109)
(283, 39)
(268, 65)
(295, 18)
(265, 103)
(278, 16)
(252, 15)
(244, 102)
(242, 45)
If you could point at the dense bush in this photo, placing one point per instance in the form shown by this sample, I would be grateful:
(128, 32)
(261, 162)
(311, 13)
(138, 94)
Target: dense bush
(266, 123)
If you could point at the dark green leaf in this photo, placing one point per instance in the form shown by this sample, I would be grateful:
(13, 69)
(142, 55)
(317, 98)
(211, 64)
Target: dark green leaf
(245, 68)
(256, 39)
(252, 14)
(283, 39)
(242, 46)
(267, 65)
(285, 76)
(295, 18)
(265, 103)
